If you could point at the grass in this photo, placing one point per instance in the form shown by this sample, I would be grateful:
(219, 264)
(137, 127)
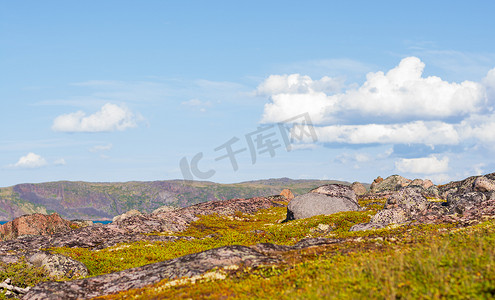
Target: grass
(214, 231)
(439, 265)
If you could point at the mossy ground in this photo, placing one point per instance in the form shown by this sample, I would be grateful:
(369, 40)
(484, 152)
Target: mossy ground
(402, 262)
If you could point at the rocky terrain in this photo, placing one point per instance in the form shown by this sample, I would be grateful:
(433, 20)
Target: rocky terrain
(103, 201)
(329, 220)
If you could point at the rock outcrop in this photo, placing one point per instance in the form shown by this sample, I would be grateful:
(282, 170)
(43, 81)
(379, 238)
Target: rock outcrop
(402, 206)
(35, 224)
(391, 183)
(327, 199)
(466, 201)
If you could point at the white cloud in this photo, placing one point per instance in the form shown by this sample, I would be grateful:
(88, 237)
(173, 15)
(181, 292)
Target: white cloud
(430, 133)
(110, 117)
(60, 162)
(401, 93)
(100, 148)
(197, 104)
(303, 146)
(30, 161)
(423, 165)
(297, 84)
(353, 157)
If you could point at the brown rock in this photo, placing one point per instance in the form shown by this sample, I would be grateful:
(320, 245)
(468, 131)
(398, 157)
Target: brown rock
(358, 188)
(426, 184)
(35, 224)
(287, 194)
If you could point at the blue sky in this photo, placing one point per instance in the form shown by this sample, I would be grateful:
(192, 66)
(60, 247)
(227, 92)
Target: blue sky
(126, 90)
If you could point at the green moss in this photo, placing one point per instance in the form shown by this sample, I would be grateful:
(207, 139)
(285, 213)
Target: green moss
(433, 264)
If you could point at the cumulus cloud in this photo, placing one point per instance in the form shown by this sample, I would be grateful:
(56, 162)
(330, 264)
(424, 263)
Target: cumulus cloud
(423, 165)
(30, 161)
(110, 117)
(401, 93)
(419, 132)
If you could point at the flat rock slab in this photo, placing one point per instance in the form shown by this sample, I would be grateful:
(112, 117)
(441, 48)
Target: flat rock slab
(185, 266)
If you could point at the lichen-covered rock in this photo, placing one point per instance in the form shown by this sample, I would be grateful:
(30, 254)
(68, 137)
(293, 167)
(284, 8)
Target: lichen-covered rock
(35, 224)
(120, 218)
(391, 183)
(58, 265)
(433, 191)
(459, 203)
(410, 199)
(402, 206)
(394, 215)
(483, 184)
(324, 200)
(358, 188)
(287, 194)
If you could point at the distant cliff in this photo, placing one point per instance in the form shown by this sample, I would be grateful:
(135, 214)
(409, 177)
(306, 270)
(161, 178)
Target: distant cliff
(100, 201)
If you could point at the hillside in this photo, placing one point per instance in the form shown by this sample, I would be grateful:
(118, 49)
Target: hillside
(101, 201)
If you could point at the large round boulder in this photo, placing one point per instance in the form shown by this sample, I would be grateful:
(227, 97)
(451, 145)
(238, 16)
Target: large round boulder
(324, 200)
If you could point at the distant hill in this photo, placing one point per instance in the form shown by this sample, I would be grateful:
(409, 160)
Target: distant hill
(100, 201)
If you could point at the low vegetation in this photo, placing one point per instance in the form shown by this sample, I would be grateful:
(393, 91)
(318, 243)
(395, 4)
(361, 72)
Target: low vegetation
(401, 262)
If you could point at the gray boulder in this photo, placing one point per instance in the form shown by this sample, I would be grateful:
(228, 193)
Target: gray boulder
(58, 265)
(324, 200)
